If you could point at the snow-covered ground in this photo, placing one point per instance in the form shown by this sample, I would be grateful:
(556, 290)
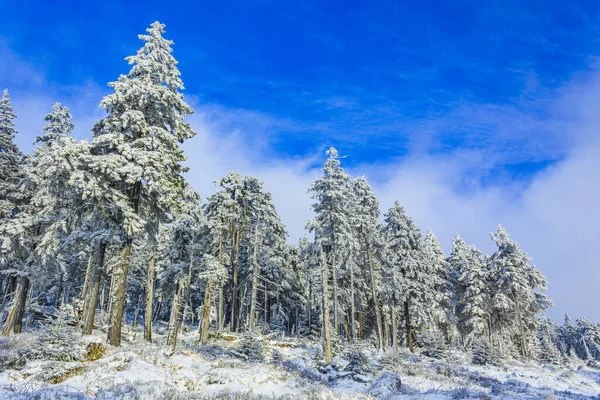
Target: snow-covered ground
(289, 370)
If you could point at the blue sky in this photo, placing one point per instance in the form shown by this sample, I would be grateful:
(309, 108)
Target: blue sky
(342, 71)
(472, 113)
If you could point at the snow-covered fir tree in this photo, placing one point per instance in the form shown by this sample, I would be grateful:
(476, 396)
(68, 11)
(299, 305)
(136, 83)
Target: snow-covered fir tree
(10, 158)
(136, 160)
(38, 237)
(518, 286)
(58, 124)
(179, 259)
(548, 339)
(409, 270)
(367, 242)
(473, 288)
(218, 233)
(310, 266)
(434, 344)
(14, 279)
(568, 339)
(51, 175)
(332, 228)
(213, 274)
(444, 312)
(243, 231)
(587, 340)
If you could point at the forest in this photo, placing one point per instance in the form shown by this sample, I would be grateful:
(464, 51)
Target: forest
(107, 235)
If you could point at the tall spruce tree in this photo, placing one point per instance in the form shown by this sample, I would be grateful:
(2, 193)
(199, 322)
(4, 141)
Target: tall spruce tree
(519, 285)
(10, 159)
(409, 268)
(332, 227)
(58, 125)
(270, 260)
(212, 272)
(15, 239)
(215, 230)
(10, 176)
(548, 339)
(473, 306)
(181, 258)
(443, 314)
(137, 161)
(365, 219)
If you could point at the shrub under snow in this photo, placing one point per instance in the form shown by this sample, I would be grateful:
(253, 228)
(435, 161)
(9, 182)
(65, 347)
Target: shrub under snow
(58, 342)
(12, 355)
(250, 349)
(387, 385)
(483, 353)
(358, 366)
(434, 345)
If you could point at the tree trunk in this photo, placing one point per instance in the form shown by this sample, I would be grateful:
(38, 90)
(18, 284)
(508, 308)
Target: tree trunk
(266, 302)
(175, 313)
(326, 323)
(394, 327)
(309, 311)
(12, 315)
(206, 313)
(103, 297)
(336, 322)
(158, 308)
(22, 300)
(294, 330)
(267, 306)
(409, 338)
(234, 291)
(221, 306)
(254, 281)
(588, 356)
(136, 315)
(386, 330)
(220, 314)
(118, 296)
(59, 294)
(188, 291)
(241, 306)
(375, 302)
(360, 325)
(84, 291)
(490, 331)
(149, 300)
(352, 307)
(524, 351)
(9, 290)
(111, 288)
(187, 313)
(10, 319)
(346, 326)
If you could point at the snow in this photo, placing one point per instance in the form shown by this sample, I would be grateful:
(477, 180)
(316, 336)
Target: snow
(149, 371)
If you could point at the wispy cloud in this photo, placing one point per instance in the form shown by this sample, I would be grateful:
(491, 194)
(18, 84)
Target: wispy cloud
(17, 71)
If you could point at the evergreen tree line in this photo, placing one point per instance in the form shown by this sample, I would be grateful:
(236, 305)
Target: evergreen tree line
(110, 230)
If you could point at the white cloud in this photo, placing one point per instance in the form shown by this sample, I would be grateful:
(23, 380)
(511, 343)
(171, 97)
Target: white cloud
(217, 149)
(16, 71)
(555, 218)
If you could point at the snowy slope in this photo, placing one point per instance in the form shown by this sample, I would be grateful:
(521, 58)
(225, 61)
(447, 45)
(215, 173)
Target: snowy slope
(145, 371)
